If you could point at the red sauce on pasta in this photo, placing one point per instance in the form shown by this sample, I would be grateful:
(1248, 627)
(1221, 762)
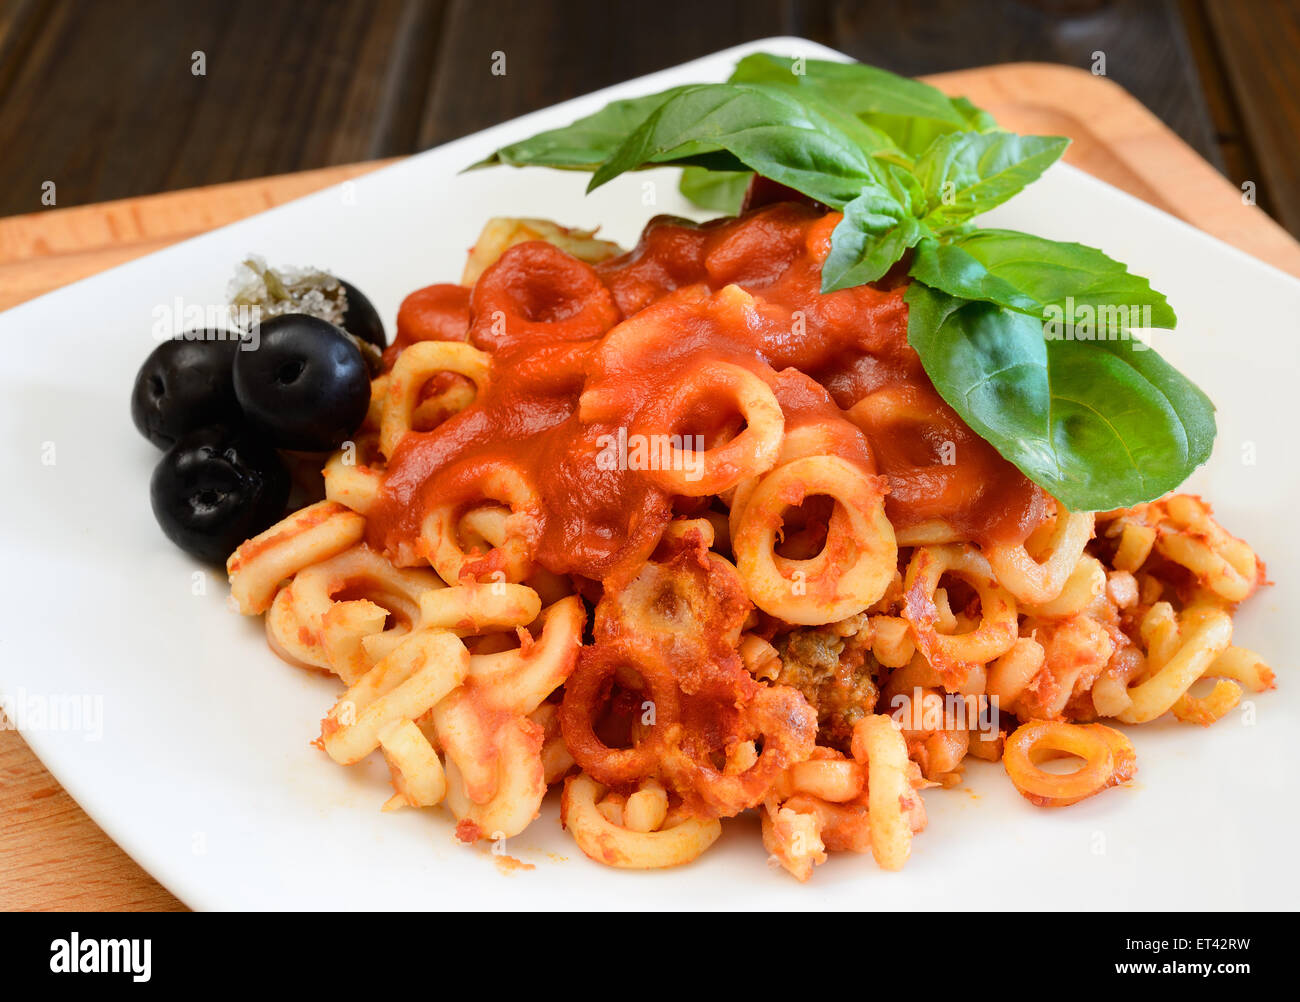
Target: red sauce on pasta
(580, 352)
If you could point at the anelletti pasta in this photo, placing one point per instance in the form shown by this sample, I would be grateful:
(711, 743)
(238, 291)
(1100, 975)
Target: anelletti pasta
(677, 535)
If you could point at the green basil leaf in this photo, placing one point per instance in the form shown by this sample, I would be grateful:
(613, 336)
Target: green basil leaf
(699, 155)
(966, 173)
(859, 89)
(1098, 424)
(949, 268)
(766, 129)
(721, 191)
(1066, 283)
(823, 85)
(903, 185)
(976, 118)
(875, 232)
(856, 87)
(584, 144)
(909, 113)
(914, 134)
(864, 245)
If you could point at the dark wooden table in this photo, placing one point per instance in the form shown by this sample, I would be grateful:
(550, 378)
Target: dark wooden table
(102, 98)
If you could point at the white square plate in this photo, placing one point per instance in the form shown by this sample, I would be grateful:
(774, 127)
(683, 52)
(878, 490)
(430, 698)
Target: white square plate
(204, 773)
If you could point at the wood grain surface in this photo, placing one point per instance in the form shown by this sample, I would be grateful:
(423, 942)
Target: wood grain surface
(105, 101)
(1260, 62)
(52, 856)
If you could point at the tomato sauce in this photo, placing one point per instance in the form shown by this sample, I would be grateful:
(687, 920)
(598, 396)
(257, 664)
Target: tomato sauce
(580, 352)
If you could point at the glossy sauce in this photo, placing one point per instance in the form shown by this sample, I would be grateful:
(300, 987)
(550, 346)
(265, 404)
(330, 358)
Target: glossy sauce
(580, 352)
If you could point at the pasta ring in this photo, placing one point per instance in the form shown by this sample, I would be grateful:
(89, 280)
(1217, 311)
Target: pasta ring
(1224, 564)
(537, 294)
(799, 442)
(931, 532)
(582, 696)
(1234, 668)
(954, 656)
(1086, 582)
(499, 482)
(647, 809)
(1135, 544)
(1107, 754)
(891, 641)
(306, 537)
(518, 681)
(415, 366)
(615, 845)
(1039, 580)
(793, 838)
(788, 727)
(296, 623)
(854, 567)
(1200, 642)
(749, 454)
(351, 477)
(375, 413)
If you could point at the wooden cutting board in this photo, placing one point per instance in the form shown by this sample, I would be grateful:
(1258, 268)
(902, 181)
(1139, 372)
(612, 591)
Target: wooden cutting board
(52, 856)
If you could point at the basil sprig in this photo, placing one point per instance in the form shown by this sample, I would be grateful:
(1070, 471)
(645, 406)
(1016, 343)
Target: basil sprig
(1097, 424)
(1028, 339)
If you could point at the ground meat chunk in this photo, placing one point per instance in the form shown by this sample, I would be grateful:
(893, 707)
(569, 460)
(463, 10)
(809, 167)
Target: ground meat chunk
(833, 667)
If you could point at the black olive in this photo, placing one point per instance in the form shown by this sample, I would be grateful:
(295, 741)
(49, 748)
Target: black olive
(214, 489)
(184, 384)
(361, 318)
(305, 386)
